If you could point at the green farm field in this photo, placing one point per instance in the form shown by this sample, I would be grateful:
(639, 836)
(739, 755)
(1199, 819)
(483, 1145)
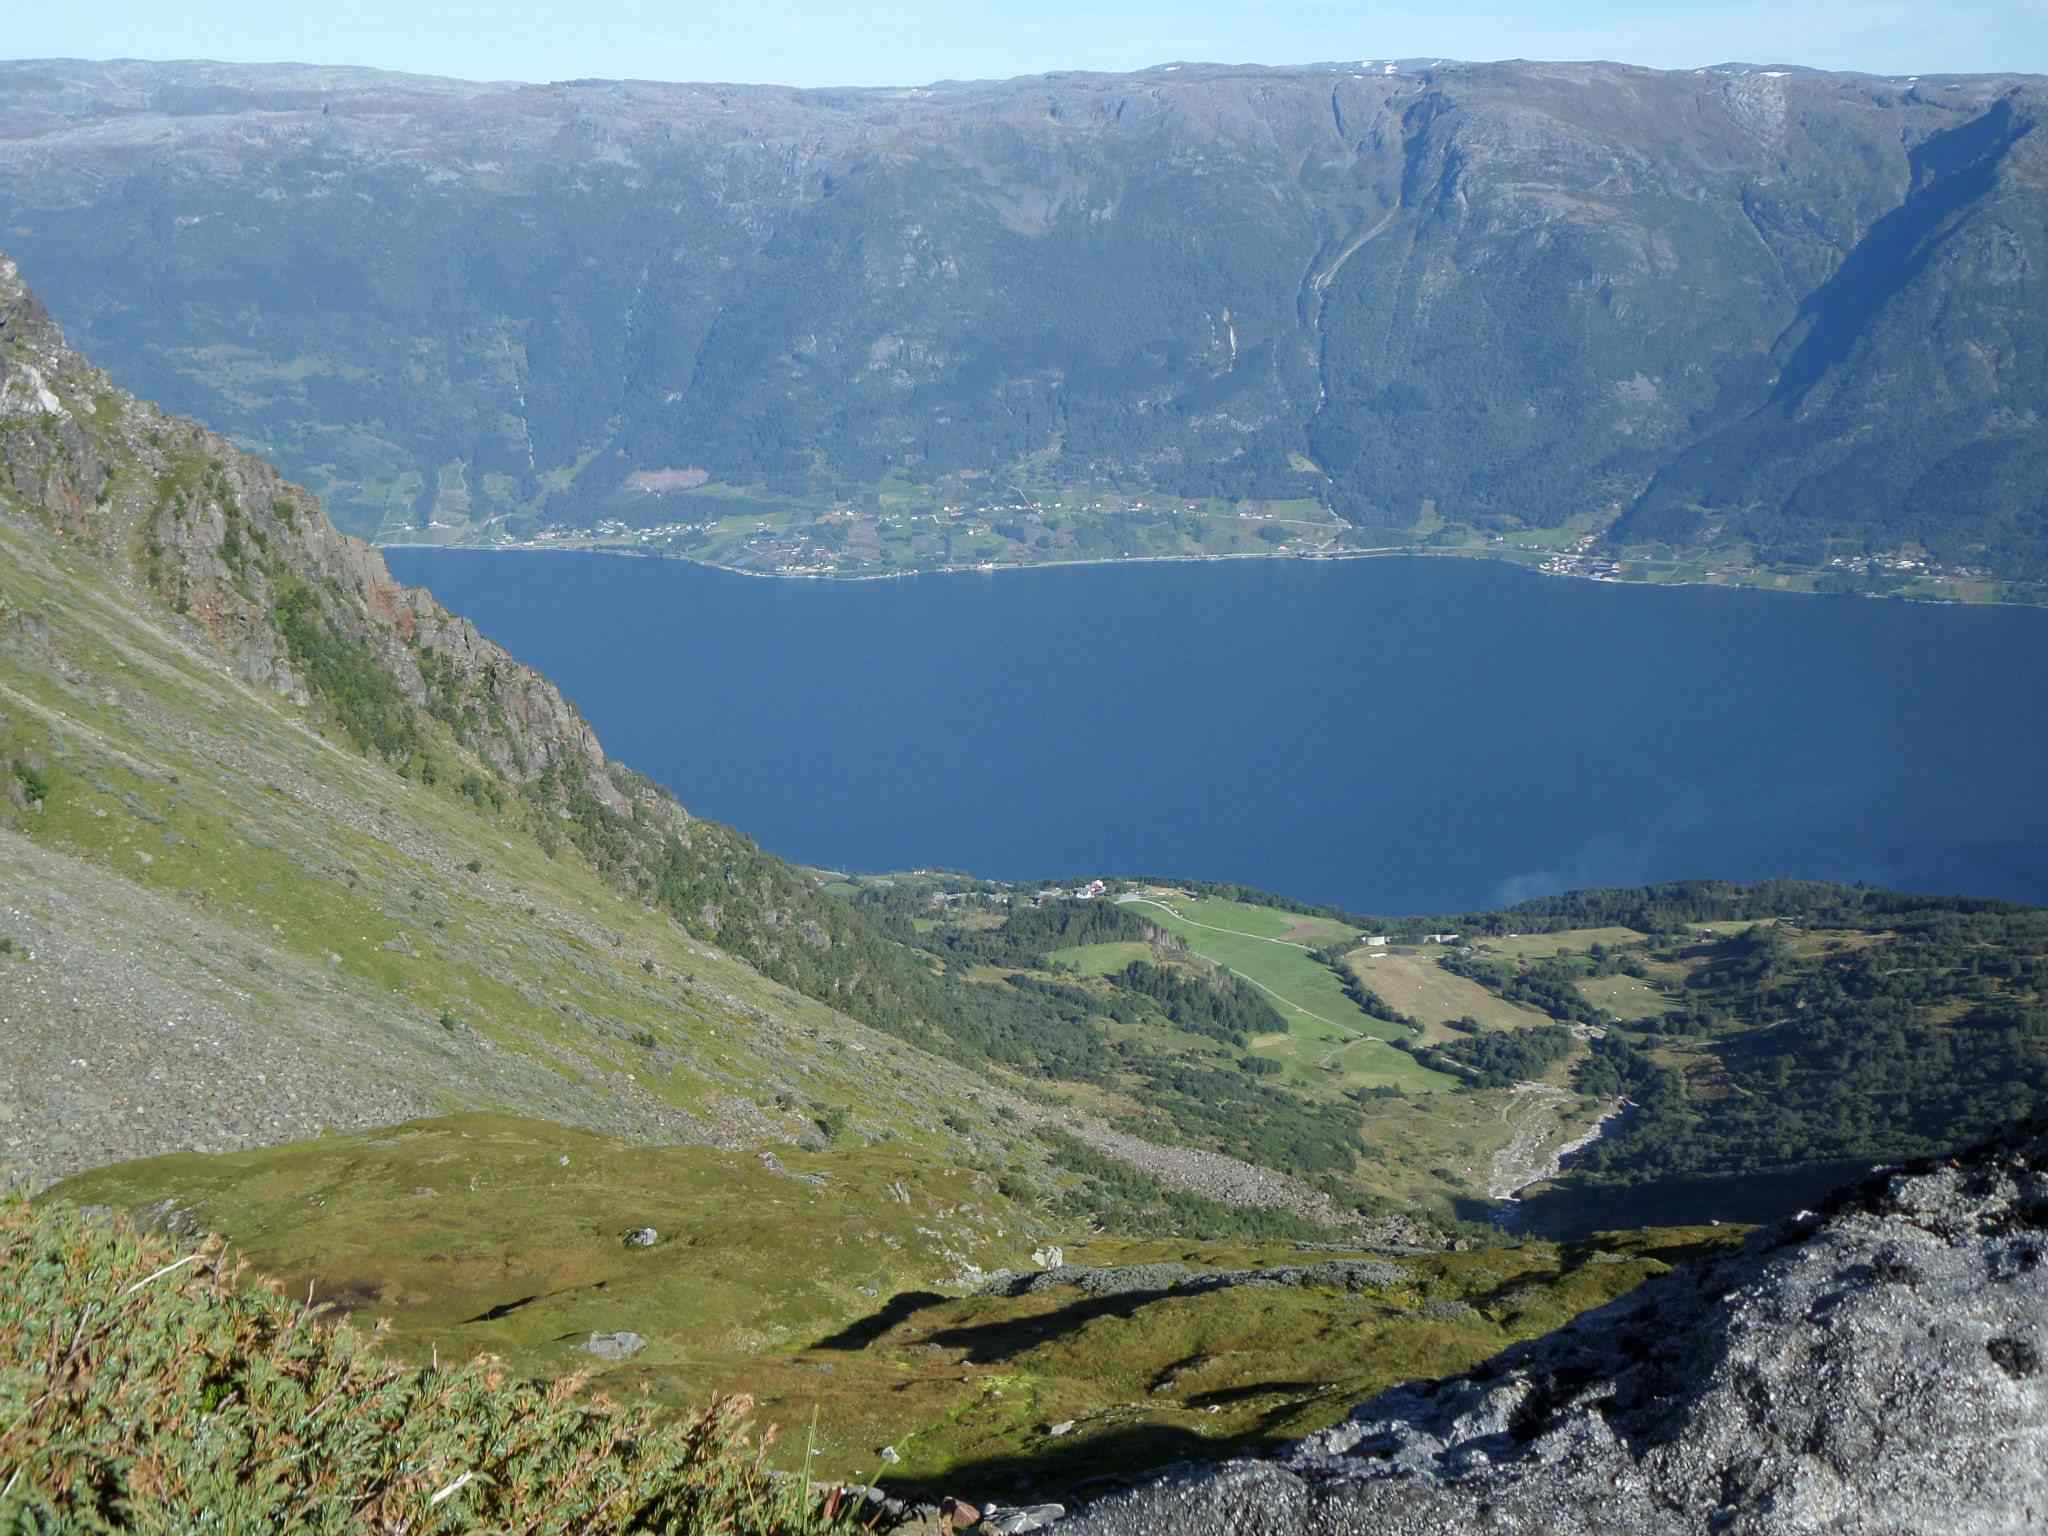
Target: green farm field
(1625, 997)
(1240, 917)
(1101, 959)
(1535, 946)
(1325, 1028)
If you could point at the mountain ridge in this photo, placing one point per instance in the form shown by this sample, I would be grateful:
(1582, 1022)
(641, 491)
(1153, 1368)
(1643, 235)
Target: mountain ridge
(1441, 305)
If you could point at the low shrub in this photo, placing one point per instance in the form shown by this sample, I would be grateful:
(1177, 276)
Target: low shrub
(147, 1389)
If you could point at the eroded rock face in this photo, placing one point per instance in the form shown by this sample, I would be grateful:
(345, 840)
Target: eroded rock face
(1875, 1368)
(222, 539)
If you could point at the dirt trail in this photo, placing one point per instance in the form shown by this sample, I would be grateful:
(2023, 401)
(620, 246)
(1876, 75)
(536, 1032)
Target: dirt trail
(1235, 933)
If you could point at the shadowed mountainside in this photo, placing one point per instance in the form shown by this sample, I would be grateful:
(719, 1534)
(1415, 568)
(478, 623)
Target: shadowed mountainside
(1787, 311)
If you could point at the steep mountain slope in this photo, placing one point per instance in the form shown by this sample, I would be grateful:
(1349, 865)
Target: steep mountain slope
(1763, 310)
(286, 846)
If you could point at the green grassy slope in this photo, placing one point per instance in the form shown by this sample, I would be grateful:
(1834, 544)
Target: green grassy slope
(241, 875)
(822, 1285)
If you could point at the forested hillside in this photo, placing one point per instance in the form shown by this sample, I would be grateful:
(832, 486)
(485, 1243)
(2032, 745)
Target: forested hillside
(1901, 1039)
(1777, 314)
(1772, 1026)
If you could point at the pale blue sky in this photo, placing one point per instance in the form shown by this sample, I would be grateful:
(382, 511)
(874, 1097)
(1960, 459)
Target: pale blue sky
(902, 42)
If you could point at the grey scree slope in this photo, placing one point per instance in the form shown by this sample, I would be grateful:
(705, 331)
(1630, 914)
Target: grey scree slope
(1878, 1368)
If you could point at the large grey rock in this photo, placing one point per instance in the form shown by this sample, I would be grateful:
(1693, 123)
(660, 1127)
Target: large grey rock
(623, 1345)
(1874, 1369)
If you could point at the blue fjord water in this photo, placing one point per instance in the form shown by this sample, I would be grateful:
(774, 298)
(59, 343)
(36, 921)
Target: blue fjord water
(1395, 735)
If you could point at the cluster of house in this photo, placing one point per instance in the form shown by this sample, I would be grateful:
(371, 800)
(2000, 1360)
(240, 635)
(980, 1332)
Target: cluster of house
(1088, 892)
(970, 898)
(1904, 564)
(1381, 940)
(1581, 565)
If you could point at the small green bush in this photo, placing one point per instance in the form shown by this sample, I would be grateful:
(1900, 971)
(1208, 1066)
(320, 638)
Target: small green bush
(33, 784)
(347, 674)
(145, 1389)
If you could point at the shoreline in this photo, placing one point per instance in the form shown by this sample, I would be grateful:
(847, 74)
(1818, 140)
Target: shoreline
(622, 551)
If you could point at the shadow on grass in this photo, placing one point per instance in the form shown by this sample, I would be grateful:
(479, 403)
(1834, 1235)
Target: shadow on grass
(1294, 1391)
(990, 1343)
(1574, 1209)
(862, 1332)
(1087, 1467)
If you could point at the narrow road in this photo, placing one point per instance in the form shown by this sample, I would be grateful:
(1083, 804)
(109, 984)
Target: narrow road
(1291, 1003)
(1235, 933)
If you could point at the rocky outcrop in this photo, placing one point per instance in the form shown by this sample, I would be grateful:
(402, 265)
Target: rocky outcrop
(1877, 1367)
(222, 540)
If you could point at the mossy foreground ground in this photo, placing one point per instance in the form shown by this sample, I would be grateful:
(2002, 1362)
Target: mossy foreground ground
(838, 1284)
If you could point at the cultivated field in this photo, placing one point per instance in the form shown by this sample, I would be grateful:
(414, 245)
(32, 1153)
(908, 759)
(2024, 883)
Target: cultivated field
(1101, 959)
(1532, 946)
(1415, 984)
(1625, 997)
(1326, 1030)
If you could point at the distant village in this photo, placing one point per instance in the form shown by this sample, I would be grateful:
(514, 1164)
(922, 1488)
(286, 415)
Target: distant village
(1051, 893)
(850, 540)
(1578, 560)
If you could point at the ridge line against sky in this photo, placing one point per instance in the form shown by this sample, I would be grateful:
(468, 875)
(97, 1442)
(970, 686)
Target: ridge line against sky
(807, 43)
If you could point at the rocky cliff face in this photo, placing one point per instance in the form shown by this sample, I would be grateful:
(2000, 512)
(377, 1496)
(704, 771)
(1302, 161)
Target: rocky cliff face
(223, 540)
(1876, 1367)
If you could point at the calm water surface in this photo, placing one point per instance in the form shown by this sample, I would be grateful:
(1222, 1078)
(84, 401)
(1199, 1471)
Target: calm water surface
(1390, 735)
